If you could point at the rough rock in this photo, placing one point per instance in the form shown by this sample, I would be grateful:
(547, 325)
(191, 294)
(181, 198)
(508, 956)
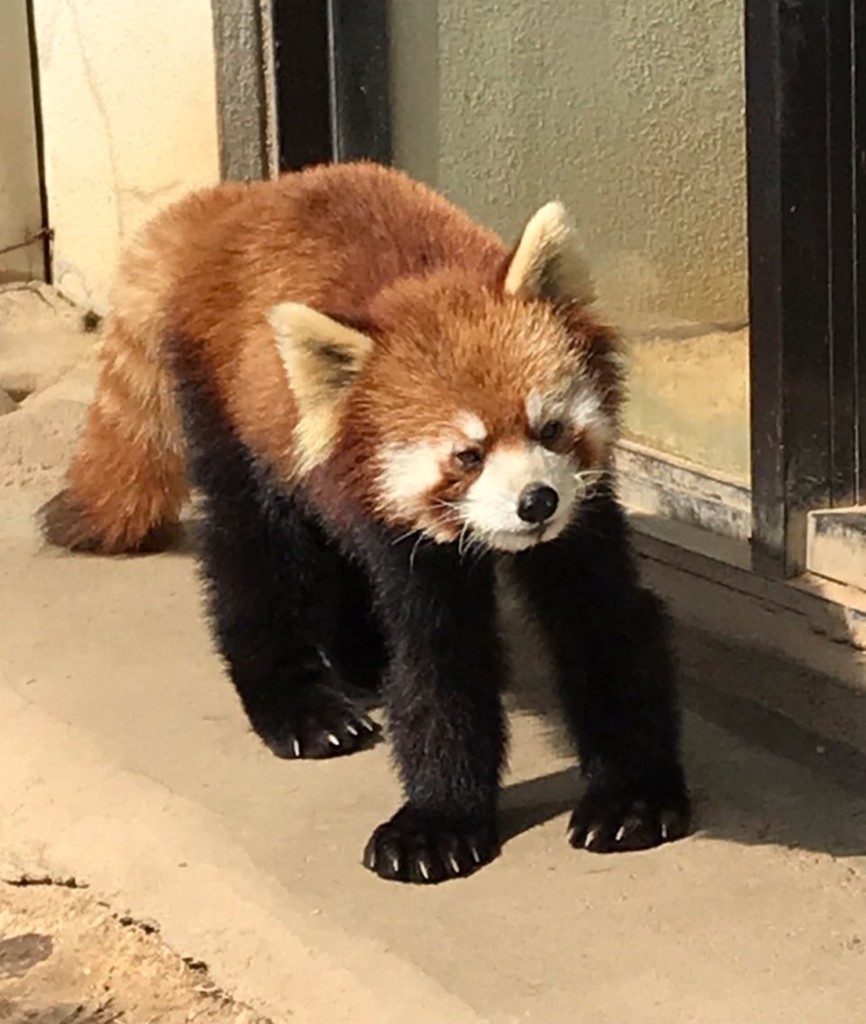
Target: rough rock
(7, 403)
(41, 338)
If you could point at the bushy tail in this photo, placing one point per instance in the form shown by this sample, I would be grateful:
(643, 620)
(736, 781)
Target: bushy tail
(127, 481)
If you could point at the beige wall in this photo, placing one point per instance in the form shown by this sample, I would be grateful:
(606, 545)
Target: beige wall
(632, 112)
(20, 208)
(129, 112)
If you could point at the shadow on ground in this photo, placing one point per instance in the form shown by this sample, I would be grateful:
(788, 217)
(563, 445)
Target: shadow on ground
(757, 778)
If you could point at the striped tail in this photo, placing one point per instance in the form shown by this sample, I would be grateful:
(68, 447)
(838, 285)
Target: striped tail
(126, 484)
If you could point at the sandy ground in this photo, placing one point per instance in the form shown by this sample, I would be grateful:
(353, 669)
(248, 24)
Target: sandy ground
(126, 763)
(65, 955)
(67, 958)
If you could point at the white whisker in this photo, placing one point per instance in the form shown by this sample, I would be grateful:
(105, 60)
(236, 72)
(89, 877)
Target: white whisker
(414, 551)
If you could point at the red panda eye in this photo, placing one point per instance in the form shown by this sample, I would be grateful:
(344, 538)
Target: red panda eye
(551, 431)
(469, 458)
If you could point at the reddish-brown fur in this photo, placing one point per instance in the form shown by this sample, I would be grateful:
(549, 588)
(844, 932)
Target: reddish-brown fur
(342, 240)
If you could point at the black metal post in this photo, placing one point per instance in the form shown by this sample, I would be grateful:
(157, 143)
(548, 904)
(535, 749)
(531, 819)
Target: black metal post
(360, 84)
(789, 127)
(302, 91)
(858, 170)
(45, 231)
(841, 268)
(331, 62)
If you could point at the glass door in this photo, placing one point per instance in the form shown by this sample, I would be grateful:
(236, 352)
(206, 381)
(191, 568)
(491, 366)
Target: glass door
(714, 157)
(637, 123)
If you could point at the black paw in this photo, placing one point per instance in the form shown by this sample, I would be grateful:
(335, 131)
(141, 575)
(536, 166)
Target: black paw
(425, 848)
(320, 722)
(613, 819)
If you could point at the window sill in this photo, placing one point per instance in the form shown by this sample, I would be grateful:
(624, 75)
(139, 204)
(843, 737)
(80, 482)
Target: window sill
(797, 647)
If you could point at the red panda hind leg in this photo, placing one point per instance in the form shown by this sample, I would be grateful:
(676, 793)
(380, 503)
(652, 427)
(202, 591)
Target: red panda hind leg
(127, 483)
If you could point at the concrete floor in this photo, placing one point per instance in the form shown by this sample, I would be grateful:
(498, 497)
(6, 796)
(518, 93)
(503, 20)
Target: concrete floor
(126, 762)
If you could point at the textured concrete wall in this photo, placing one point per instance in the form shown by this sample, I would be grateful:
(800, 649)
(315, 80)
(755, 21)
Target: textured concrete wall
(630, 111)
(245, 89)
(129, 109)
(20, 208)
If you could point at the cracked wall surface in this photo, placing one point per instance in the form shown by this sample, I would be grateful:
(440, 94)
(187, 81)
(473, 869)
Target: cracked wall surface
(130, 124)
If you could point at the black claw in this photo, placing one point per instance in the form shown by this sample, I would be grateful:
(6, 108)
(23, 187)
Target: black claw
(427, 849)
(320, 723)
(369, 858)
(611, 820)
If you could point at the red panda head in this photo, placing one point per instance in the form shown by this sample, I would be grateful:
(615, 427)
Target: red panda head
(478, 412)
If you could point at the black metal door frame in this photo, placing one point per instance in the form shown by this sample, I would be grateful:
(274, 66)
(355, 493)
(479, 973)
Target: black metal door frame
(806, 129)
(806, 140)
(332, 84)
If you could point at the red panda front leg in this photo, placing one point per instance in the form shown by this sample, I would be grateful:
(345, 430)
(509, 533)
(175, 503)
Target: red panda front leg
(272, 580)
(609, 638)
(442, 696)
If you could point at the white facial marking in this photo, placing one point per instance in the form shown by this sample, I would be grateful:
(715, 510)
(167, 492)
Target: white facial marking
(490, 505)
(586, 412)
(409, 471)
(535, 409)
(471, 427)
(582, 408)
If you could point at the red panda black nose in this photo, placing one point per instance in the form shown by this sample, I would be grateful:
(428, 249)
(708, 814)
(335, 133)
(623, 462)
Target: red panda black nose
(537, 503)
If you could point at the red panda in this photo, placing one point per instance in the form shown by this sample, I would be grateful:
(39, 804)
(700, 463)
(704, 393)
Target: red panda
(376, 400)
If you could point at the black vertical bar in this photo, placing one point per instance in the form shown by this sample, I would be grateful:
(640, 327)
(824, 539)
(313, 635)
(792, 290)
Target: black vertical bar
(786, 109)
(360, 82)
(47, 248)
(763, 74)
(840, 169)
(302, 68)
(805, 285)
(858, 63)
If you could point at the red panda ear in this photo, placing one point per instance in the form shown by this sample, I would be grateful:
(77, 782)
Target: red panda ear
(548, 262)
(321, 358)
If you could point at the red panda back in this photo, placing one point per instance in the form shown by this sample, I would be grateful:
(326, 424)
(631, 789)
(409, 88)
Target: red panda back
(331, 237)
(205, 271)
